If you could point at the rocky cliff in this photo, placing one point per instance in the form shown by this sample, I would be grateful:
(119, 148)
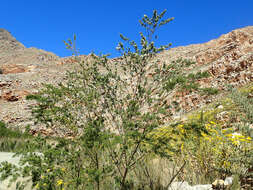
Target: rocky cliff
(228, 59)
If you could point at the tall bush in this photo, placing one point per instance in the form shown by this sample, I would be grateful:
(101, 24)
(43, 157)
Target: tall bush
(110, 108)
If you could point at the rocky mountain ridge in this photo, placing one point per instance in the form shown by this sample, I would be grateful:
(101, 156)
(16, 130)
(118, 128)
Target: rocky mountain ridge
(228, 60)
(8, 42)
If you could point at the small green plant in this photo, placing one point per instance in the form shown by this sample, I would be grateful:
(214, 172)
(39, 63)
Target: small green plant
(188, 62)
(209, 91)
(180, 79)
(5, 132)
(180, 62)
(199, 75)
(11, 133)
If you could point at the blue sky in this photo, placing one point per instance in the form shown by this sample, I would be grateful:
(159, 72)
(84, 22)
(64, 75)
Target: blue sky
(46, 23)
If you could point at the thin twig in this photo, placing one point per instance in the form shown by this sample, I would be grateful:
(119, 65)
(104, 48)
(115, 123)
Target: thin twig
(172, 179)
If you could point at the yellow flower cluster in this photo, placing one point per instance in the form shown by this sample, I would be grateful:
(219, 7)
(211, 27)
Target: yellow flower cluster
(220, 136)
(223, 143)
(236, 138)
(59, 182)
(171, 136)
(218, 144)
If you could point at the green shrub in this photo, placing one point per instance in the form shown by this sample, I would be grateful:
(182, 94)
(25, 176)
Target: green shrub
(216, 154)
(115, 113)
(188, 62)
(5, 132)
(199, 75)
(185, 81)
(12, 140)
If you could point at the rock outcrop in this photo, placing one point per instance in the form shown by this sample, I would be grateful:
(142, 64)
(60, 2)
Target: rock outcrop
(228, 59)
(22, 71)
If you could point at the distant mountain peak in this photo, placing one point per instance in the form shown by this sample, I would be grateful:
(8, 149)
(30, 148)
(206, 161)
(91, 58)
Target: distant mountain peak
(8, 42)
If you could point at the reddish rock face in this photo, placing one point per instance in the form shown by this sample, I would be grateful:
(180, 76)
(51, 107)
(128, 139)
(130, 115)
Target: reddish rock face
(9, 97)
(12, 96)
(237, 41)
(7, 69)
(228, 59)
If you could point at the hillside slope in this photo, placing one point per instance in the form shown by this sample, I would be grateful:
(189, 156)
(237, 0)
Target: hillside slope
(228, 60)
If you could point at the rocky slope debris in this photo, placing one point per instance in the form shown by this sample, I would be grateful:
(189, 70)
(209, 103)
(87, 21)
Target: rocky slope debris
(228, 59)
(22, 72)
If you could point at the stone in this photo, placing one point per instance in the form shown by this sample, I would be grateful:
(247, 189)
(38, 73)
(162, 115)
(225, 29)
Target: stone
(180, 185)
(228, 181)
(218, 184)
(202, 187)
(13, 68)
(223, 116)
(185, 186)
(220, 107)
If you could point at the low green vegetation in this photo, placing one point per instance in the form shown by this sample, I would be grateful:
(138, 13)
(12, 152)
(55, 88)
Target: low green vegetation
(209, 91)
(119, 139)
(5, 132)
(185, 81)
(12, 140)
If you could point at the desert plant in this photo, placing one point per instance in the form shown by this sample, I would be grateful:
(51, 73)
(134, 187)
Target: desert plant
(5, 132)
(179, 78)
(217, 154)
(209, 91)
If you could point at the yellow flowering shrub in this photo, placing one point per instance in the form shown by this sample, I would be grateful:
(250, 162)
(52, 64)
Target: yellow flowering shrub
(172, 138)
(216, 153)
(212, 153)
